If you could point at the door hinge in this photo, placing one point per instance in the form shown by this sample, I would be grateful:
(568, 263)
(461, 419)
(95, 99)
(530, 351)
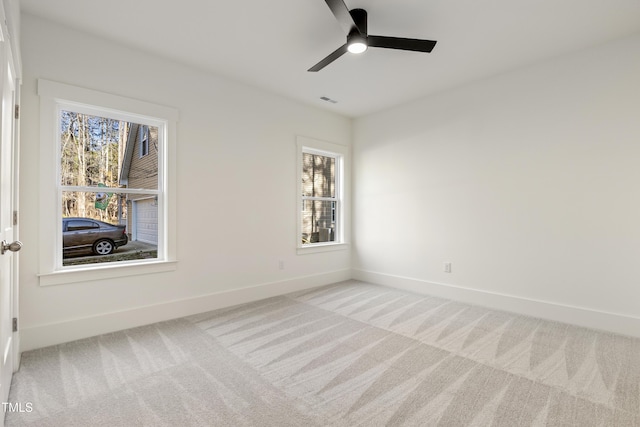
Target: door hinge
(15, 324)
(15, 217)
(17, 114)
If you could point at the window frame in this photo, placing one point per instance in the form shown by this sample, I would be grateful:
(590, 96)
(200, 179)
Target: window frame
(341, 154)
(55, 97)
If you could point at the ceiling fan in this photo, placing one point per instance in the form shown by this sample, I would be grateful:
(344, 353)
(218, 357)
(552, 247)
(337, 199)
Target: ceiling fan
(354, 23)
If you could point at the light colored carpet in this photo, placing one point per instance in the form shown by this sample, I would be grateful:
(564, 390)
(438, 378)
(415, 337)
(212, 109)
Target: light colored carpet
(350, 354)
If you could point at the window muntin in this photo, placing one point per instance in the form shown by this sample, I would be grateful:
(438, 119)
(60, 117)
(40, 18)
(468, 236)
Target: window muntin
(320, 203)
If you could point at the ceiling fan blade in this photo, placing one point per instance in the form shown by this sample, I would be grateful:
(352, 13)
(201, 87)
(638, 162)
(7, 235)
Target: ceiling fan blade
(329, 59)
(341, 12)
(415, 45)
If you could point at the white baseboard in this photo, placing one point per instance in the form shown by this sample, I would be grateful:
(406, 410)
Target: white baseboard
(610, 322)
(56, 333)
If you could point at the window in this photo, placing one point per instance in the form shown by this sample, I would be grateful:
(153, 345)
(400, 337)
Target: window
(319, 196)
(144, 141)
(94, 177)
(100, 178)
(321, 180)
(74, 225)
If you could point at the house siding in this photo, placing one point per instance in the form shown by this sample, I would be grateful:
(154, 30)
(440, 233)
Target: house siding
(142, 222)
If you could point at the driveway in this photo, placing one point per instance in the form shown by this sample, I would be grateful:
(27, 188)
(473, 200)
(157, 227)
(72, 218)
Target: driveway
(131, 251)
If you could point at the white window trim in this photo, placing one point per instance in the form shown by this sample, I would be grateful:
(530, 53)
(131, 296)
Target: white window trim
(52, 96)
(341, 152)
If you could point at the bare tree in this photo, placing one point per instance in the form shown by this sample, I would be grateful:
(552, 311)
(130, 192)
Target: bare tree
(90, 148)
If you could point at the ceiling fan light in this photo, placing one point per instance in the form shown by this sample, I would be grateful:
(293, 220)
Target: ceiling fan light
(357, 47)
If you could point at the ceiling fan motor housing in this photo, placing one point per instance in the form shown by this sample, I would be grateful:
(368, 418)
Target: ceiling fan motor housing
(357, 37)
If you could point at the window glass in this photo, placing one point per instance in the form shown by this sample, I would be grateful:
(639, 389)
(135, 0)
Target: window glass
(320, 205)
(318, 224)
(108, 173)
(318, 175)
(81, 225)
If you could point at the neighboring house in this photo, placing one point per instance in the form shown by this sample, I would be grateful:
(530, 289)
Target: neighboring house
(139, 169)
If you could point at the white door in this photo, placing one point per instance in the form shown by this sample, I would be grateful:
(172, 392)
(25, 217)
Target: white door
(8, 230)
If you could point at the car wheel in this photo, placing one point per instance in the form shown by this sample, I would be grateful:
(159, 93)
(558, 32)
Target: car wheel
(103, 247)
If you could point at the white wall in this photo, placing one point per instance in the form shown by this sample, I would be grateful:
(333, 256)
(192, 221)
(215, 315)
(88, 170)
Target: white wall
(236, 190)
(528, 183)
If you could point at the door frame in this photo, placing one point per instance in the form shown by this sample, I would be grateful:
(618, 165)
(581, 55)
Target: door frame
(11, 62)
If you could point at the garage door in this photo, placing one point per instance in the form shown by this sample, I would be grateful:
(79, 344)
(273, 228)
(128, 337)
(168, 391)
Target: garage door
(146, 221)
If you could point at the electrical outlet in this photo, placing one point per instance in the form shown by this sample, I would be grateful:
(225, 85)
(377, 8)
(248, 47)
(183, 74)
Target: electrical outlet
(447, 267)
(281, 265)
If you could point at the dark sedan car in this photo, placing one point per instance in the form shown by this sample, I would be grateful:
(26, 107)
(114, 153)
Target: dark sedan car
(85, 234)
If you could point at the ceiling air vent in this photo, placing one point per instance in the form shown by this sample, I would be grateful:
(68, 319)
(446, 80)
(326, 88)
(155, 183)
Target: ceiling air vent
(324, 98)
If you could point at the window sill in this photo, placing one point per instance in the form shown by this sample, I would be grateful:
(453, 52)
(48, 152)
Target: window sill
(321, 247)
(93, 273)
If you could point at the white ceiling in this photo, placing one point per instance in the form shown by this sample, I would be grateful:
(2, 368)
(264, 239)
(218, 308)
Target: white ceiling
(271, 44)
